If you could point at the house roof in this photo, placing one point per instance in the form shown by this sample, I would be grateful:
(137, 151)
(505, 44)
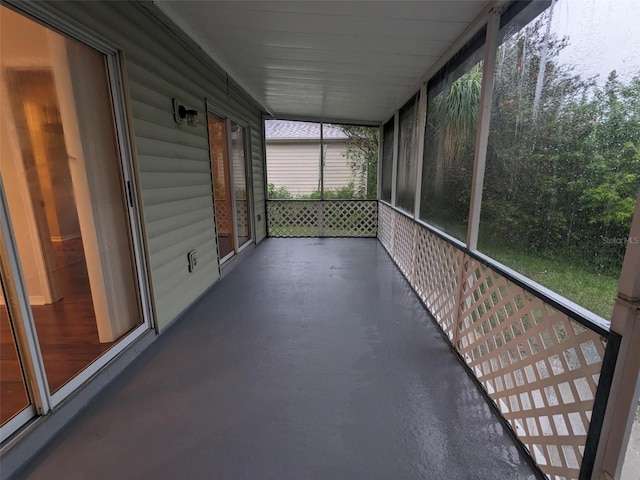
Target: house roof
(286, 130)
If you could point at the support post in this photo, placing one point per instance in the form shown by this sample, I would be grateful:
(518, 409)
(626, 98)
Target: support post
(484, 117)
(625, 387)
(394, 171)
(380, 154)
(422, 121)
(321, 161)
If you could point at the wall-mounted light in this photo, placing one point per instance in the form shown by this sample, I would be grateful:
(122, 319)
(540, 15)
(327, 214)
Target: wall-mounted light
(183, 114)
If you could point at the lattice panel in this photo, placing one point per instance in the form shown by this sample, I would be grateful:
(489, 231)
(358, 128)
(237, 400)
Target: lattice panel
(539, 366)
(223, 218)
(329, 218)
(350, 219)
(242, 217)
(404, 244)
(293, 219)
(386, 217)
(436, 274)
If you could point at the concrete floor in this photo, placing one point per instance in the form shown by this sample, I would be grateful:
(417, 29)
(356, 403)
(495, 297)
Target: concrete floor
(312, 359)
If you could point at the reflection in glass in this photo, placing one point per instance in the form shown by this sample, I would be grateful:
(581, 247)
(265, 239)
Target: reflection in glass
(221, 184)
(239, 167)
(13, 390)
(61, 170)
(449, 146)
(563, 163)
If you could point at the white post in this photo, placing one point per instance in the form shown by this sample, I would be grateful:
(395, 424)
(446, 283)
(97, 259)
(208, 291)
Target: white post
(380, 154)
(394, 171)
(422, 122)
(623, 397)
(484, 117)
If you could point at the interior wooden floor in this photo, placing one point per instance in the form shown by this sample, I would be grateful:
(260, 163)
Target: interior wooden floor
(225, 245)
(66, 329)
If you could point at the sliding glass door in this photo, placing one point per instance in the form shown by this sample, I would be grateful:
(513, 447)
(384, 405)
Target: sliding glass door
(221, 185)
(230, 174)
(69, 217)
(240, 187)
(13, 385)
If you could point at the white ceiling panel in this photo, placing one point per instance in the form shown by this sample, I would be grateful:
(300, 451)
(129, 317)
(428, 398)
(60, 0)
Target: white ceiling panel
(338, 60)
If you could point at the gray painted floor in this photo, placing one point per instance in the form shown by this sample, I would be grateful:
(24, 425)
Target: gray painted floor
(312, 359)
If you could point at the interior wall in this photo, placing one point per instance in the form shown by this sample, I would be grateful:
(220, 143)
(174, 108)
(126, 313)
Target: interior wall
(26, 55)
(172, 160)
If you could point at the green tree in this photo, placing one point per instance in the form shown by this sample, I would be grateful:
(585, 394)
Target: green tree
(362, 156)
(561, 180)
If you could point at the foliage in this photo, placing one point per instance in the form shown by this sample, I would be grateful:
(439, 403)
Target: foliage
(563, 181)
(452, 115)
(572, 280)
(563, 165)
(456, 111)
(278, 193)
(558, 183)
(347, 192)
(362, 156)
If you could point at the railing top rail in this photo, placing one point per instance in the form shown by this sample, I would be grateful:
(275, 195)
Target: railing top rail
(319, 200)
(574, 311)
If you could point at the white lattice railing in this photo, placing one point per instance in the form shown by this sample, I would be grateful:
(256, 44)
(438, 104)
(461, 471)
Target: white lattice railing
(539, 366)
(326, 218)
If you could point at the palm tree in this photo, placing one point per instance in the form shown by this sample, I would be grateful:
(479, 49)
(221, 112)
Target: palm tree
(452, 119)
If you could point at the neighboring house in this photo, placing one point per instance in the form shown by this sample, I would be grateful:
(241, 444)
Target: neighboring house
(293, 156)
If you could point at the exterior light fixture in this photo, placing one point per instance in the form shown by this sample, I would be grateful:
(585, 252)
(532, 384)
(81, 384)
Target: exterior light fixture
(182, 114)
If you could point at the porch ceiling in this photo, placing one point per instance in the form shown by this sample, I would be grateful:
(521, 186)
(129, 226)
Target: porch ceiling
(340, 60)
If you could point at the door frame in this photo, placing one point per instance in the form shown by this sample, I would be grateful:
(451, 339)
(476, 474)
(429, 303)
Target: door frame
(228, 117)
(21, 319)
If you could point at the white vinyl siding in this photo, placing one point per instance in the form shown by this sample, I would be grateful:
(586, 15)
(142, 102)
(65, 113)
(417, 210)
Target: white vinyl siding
(296, 166)
(337, 172)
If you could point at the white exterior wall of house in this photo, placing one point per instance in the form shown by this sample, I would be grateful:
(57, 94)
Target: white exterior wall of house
(337, 172)
(295, 166)
(293, 156)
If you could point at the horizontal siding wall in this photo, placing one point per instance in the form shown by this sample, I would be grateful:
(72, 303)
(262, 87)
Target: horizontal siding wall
(296, 166)
(337, 172)
(173, 160)
(258, 173)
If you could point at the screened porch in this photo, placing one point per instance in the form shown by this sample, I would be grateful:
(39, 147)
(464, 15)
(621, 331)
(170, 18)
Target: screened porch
(371, 240)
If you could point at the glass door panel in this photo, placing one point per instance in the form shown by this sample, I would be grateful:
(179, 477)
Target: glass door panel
(61, 169)
(13, 389)
(221, 185)
(239, 167)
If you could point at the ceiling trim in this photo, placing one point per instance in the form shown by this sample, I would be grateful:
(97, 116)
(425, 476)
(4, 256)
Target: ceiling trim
(340, 121)
(184, 25)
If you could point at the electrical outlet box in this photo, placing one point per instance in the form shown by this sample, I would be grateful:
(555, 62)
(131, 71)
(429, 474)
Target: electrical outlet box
(192, 257)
